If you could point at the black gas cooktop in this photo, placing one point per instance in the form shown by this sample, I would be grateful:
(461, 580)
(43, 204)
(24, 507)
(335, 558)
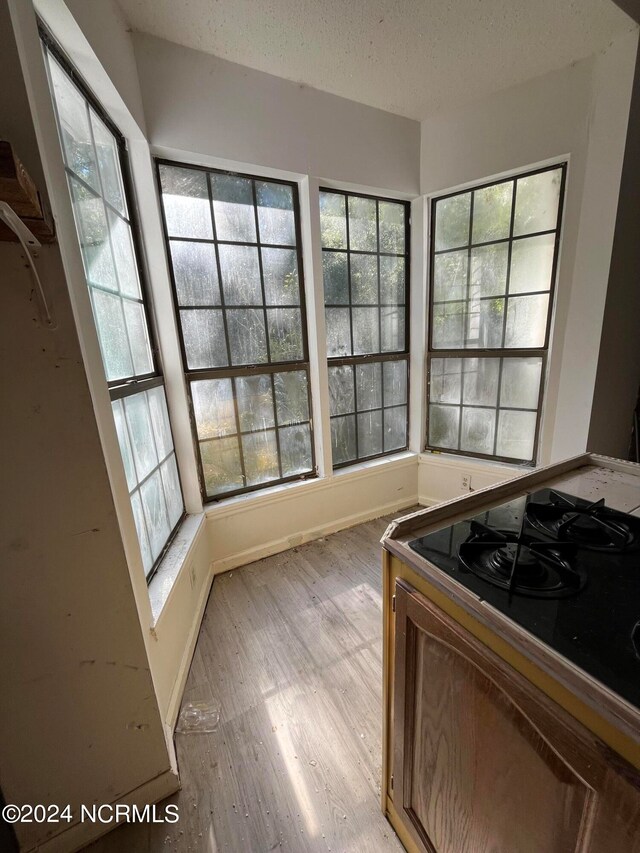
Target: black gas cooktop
(564, 569)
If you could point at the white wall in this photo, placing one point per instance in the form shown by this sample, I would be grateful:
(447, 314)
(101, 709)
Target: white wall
(580, 111)
(198, 103)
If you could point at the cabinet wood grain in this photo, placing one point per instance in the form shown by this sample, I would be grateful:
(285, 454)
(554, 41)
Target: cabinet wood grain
(485, 763)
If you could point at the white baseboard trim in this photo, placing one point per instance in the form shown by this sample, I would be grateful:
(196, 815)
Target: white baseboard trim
(276, 546)
(79, 835)
(185, 663)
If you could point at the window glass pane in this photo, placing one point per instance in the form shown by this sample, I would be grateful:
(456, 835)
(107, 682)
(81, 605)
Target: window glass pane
(285, 334)
(125, 444)
(478, 430)
(527, 321)
(395, 382)
(392, 225)
(516, 434)
(172, 493)
(480, 381)
(452, 221)
(492, 212)
(445, 380)
(221, 466)
(160, 421)
(532, 263)
(247, 336)
(112, 332)
(450, 276)
(341, 390)
(108, 164)
(138, 340)
(395, 428)
(364, 279)
(362, 224)
(489, 270)
(91, 222)
(260, 453)
(448, 325)
(275, 214)
(155, 513)
(73, 124)
(537, 201)
(485, 323)
(255, 402)
(520, 385)
(195, 273)
(292, 397)
(338, 332)
(295, 449)
(126, 267)
(204, 340)
(369, 433)
(141, 433)
(233, 208)
(186, 203)
(280, 270)
(393, 335)
(369, 386)
(336, 281)
(333, 224)
(343, 439)
(366, 331)
(141, 529)
(443, 426)
(392, 281)
(213, 407)
(240, 272)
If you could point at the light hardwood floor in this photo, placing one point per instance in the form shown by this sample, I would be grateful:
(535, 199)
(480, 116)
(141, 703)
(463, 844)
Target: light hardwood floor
(290, 648)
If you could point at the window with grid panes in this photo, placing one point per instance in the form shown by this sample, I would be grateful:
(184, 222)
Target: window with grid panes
(95, 163)
(365, 256)
(494, 254)
(234, 248)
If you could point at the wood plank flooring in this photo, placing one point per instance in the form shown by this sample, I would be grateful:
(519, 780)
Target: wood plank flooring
(290, 648)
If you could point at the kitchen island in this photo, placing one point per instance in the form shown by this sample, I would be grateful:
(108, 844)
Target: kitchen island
(504, 725)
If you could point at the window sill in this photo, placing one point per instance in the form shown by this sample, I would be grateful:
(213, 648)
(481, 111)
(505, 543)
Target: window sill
(302, 487)
(173, 562)
(455, 459)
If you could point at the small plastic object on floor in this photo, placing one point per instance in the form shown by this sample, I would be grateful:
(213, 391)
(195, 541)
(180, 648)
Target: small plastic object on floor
(198, 718)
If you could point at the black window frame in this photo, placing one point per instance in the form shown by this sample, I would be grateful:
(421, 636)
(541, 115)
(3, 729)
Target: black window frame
(379, 357)
(236, 371)
(136, 383)
(501, 353)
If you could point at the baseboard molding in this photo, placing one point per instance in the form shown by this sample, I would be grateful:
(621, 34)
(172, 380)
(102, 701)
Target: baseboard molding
(185, 664)
(79, 835)
(276, 546)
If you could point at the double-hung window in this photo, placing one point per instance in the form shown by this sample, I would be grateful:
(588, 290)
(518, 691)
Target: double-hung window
(234, 248)
(95, 162)
(365, 256)
(494, 254)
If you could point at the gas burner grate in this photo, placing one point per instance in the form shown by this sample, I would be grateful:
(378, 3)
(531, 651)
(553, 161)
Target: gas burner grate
(590, 525)
(520, 563)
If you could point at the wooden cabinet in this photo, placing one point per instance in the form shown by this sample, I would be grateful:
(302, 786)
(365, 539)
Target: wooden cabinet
(483, 762)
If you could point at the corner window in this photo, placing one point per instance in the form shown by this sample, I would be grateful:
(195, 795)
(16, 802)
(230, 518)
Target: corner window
(233, 243)
(365, 256)
(95, 162)
(494, 255)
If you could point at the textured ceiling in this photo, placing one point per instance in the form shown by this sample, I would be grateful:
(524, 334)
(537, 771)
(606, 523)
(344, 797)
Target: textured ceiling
(405, 56)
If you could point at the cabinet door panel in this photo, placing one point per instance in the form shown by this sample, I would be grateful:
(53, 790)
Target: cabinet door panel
(483, 762)
(482, 777)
